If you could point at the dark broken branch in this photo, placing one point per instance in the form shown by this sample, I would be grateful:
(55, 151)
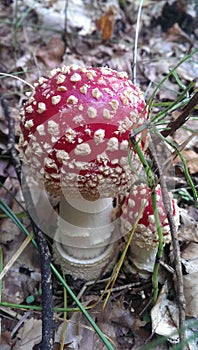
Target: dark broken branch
(183, 117)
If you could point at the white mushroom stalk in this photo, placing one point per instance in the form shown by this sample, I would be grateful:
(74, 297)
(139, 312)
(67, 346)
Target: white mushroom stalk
(144, 245)
(74, 136)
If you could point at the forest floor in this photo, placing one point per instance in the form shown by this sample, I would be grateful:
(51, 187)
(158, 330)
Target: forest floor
(37, 36)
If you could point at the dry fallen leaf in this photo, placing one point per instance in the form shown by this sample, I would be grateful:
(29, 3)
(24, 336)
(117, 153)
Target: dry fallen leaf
(9, 231)
(188, 230)
(191, 158)
(190, 293)
(5, 340)
(164, 316)
(51, 3)
(29, 335)
(106, 23)
(71, 335)
(53, 53)
(189, 259)
(175, 33)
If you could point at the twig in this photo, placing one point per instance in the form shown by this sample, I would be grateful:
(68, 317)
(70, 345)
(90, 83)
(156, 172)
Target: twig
(65, 34)
(19, 323)
(183, 117)
(46, 285)
(175, 242)
(136, 42)
(47, 301)
(16, 255)
(15, 77)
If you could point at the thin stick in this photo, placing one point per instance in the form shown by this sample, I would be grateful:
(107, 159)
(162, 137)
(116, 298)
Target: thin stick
(65, 34)
(16, 255)
(182, 118)
(20, 79)
(46, 285)
(177, 260)
(136, 42)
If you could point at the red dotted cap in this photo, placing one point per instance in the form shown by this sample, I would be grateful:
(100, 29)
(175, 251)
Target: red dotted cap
(146, 232)
(75, 130)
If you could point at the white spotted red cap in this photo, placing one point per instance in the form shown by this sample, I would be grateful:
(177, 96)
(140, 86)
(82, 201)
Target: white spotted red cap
(138, 200)
(75, 130)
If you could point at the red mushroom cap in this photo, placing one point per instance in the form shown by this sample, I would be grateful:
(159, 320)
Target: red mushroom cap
(75, 130)
(146, 232)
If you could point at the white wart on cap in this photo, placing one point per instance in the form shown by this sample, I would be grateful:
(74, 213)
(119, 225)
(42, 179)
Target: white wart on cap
(75, 130)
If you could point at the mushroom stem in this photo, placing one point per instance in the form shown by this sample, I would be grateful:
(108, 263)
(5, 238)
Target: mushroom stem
(83, 243)
(84, 227)
(142, 260)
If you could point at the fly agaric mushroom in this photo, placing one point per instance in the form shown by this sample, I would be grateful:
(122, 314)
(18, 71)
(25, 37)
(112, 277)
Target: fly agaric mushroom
(144, 245)
(74, 136)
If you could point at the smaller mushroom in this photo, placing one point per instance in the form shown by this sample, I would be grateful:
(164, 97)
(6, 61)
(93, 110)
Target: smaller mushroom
(144, 245)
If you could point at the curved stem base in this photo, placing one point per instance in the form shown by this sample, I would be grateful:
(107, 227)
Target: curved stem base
(142, 260)
(87, 269)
